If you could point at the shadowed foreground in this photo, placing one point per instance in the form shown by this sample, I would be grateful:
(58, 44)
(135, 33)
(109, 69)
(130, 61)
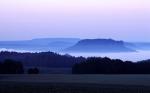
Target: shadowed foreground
(74, 83)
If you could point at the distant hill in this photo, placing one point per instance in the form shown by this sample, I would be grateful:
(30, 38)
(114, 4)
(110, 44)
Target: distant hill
(41, 44)
(138, 45)
(99, 45)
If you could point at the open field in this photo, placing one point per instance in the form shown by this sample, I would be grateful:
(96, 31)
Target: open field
(74, 83)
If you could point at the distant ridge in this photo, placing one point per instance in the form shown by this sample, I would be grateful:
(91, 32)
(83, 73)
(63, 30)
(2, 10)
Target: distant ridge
(74, 45)
(40, 44)
(99, 45)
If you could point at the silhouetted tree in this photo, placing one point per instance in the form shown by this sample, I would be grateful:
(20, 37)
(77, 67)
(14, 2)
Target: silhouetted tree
(11, 67)
(33, 71)
(1, 68)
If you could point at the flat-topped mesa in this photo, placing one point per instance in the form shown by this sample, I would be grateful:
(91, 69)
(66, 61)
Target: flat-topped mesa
(99, 45)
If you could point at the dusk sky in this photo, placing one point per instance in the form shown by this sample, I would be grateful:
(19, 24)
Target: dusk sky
(127, 20)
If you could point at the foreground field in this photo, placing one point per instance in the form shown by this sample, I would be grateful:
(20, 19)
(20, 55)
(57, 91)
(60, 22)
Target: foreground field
(74, 83)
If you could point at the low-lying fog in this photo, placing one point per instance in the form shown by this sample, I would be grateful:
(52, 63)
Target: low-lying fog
(131, 56)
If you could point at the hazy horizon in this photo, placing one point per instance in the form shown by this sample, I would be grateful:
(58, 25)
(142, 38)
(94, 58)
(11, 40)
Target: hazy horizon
(81, 38)
(127, 20)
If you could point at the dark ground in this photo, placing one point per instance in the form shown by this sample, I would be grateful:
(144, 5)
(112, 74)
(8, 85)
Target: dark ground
(57, 83)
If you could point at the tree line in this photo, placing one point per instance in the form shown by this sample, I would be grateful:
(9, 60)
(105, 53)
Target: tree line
(98, 65)
(14, 63)
(42, 59)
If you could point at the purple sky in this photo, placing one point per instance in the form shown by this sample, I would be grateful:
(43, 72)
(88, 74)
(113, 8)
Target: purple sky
(118, 19)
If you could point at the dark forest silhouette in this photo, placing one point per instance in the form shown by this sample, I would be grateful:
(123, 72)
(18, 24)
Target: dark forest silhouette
(98, 65)
(42, 59)
(14, 63)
